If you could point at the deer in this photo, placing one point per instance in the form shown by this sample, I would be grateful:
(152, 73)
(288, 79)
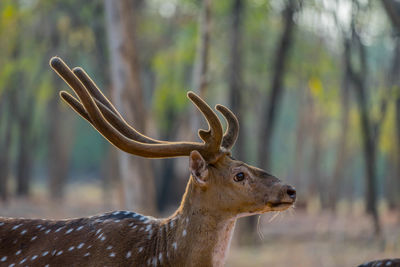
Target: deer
(220, 190)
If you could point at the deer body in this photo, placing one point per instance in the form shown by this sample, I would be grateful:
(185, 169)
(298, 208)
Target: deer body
(220, 189)
(192, 236)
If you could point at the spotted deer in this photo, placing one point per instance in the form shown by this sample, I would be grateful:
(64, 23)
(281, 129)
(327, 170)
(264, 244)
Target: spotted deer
(382, 263)
(220, 190)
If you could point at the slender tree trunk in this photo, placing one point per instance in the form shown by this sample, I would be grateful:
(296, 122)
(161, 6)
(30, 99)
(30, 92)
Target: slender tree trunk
(341, 154)
(392, 9)
(200, 71)
(276, 91)
(60, 143)
(24, 158)
(369, 136)
(136, 173)
(167, 176)
(5, 147)
(235, 73)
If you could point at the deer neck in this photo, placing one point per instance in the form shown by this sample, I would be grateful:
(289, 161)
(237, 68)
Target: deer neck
(203, 233)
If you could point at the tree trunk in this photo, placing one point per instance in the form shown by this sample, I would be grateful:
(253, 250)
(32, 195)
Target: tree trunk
(235, 74)
(5, 147)
(392, 9)
(341, 154)
(24, 158)
(136, 173)
(368, 135)
(274, 100)
(279, 69)
(60, 144)
(200, 69)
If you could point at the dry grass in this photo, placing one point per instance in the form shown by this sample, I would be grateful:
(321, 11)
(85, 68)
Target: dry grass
(299, 238)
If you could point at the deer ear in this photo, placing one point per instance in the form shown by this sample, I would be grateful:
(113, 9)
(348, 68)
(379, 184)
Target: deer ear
(198, 167)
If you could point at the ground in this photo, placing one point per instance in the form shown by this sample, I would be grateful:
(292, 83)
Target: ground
(293, 238)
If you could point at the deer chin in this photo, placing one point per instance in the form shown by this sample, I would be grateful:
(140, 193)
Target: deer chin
(278, 206)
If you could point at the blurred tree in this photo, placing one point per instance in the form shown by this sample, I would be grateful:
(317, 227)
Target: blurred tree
(341, 153)
(392, 9)
(201, 64)
(5, 145)
(235, 72)
(279, 68)
(136, 173)
(370, 128)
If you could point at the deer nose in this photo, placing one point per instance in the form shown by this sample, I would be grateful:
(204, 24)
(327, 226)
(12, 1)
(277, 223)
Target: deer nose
(291, 192)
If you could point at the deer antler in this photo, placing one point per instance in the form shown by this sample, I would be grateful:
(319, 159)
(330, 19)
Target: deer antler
(99, 111)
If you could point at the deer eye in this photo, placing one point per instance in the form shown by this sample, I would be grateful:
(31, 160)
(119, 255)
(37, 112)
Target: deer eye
(239, 177)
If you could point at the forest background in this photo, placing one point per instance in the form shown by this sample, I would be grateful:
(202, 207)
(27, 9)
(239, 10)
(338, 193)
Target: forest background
(315, 85)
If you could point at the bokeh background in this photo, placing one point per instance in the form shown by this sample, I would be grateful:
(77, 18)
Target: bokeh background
(315, 84)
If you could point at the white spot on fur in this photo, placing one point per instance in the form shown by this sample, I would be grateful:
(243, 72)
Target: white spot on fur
(87, 254)
(16, 226)
(116, 213)
(34, 257)
(11, 265)
(175, 245)
(140, 249)
(71, 248)
(187, 220)
(48, 231)
(155, 261)
(24, 232)
(59, 229)
(117, 221)
(45, 253)
(148, 227)
(98, 231)
(59, 253)
(33, 238)
(18, 252)
(22, 261)
(184, 232)
(1, 223)
(79, 228)
(134, 226)
(69, 231)
(128, 255)
(4, 259)
(109, 247)
(171, 224)
(38, 226)
(112, 254)
(80, 245)
(388, 263)
(103, 238)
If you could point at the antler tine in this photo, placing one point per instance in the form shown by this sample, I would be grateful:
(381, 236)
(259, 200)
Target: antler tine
(232, 130)
(162, 150)
(109, 111)
(94, 89)
(110, 116)
(75, 105)
(213, 136)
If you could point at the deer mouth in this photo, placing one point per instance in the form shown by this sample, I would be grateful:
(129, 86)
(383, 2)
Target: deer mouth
(279, 206)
